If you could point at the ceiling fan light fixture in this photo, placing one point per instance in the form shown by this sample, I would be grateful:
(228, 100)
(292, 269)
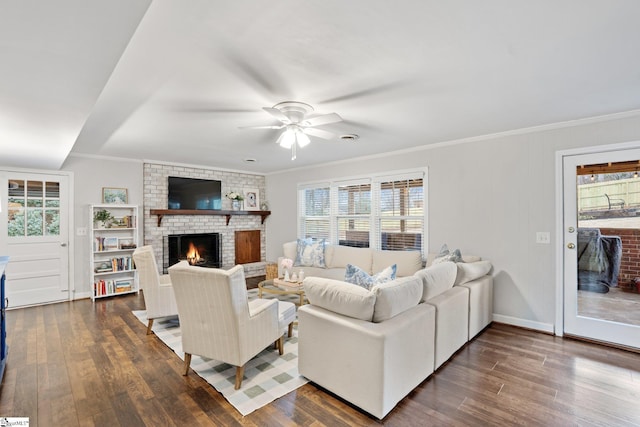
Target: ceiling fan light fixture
(287, 139)
(302, 139)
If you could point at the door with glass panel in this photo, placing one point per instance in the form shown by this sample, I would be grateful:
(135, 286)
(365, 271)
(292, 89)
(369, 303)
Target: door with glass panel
(34, 220)
(602, 246)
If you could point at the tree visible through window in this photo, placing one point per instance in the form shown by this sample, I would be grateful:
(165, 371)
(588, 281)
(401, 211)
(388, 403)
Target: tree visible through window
(33, 208)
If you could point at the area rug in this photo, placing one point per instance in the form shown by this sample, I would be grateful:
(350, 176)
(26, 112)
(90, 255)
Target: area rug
(267, 376)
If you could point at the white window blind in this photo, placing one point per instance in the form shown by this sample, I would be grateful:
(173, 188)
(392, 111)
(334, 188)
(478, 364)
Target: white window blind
(354, 215)
(400, 219)
(314, 209)
(382, 212)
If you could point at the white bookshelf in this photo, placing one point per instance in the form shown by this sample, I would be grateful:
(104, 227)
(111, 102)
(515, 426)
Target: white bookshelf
(112, 245)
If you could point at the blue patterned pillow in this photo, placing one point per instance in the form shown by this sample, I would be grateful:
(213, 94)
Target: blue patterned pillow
(358, 276)
(446, 255)
(310, 253)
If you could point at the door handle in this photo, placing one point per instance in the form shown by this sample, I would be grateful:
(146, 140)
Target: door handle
(571, 246)
(63, 244)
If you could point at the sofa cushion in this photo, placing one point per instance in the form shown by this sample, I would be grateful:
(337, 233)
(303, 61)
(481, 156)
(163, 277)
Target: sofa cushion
(471, 271)
(407, 262)
(343, 255)
(437, 279)
(357, 276)
(395, 297)
(340, 297)
(310, 253)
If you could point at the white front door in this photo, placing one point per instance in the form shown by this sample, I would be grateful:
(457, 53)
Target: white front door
(594, 313)
(34, 225)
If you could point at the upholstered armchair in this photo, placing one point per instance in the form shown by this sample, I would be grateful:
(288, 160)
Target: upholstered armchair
(156, 288)
(217, 320)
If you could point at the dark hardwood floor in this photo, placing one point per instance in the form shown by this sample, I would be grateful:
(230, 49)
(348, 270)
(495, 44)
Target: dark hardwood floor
(82, 363)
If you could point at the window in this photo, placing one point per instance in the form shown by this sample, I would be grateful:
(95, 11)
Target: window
(382, 212)
(401, 217)
(314, 206)
(33, 208)
(354, 215)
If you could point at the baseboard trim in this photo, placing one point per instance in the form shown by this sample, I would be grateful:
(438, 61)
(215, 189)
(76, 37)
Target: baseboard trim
(81, 295)
(524, 323)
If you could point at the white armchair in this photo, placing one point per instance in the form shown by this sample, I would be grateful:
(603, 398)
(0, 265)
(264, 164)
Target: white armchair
(159, 299)
(217, 320)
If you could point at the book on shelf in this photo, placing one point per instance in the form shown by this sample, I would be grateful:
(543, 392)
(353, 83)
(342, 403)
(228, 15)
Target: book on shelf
(108, 287)
(114, 265)
(123, 286)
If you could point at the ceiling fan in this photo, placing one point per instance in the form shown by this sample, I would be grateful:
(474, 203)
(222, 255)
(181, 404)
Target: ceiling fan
(297, 125)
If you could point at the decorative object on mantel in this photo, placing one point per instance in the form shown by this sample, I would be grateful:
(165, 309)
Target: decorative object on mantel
(114, 195)
(264, 206)
(236, 200)
(286, 264)
(251, 199)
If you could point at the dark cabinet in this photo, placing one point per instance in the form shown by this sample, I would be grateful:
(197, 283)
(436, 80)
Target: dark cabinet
(4, 349)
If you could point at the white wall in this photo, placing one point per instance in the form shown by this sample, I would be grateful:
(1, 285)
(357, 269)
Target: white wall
(487, 197)
(90, 175)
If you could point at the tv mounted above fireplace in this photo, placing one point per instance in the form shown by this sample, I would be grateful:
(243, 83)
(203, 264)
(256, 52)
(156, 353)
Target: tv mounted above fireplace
(194, 193)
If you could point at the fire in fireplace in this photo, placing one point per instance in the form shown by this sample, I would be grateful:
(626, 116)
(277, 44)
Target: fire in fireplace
(198, 249)
(193, 256)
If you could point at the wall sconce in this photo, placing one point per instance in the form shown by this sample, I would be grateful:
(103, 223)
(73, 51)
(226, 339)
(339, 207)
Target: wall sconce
(593, 177)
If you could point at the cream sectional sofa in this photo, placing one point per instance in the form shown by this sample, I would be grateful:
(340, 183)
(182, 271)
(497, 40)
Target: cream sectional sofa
(373, 347)
(337, 257)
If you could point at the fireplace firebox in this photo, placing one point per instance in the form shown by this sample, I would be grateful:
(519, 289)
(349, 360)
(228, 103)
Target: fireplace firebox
(202, 250)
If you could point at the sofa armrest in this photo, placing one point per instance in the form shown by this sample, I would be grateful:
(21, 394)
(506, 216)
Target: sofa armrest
(452, 322)
(480, 304)
(372, 365)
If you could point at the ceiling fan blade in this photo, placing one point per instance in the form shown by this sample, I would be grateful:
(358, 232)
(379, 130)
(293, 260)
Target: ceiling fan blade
(277, 114)
(376, 90)
(256, 70)
(319, 133)
(262, 127)
(322, 120)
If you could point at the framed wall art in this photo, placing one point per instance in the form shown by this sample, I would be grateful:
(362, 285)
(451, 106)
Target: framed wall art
(114, 195)
(251, 199)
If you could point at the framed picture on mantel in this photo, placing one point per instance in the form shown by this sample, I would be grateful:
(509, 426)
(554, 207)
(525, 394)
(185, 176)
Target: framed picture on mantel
(251, 199)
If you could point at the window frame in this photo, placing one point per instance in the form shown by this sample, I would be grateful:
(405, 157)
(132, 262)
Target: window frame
(375, 216)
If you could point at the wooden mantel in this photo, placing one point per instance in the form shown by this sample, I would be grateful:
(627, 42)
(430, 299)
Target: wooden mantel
(162, 212)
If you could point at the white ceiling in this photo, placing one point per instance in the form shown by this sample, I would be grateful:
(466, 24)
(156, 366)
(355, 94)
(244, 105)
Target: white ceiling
(173, 80)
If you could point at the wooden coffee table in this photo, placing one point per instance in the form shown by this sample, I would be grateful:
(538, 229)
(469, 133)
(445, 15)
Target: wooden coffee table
(268, 286)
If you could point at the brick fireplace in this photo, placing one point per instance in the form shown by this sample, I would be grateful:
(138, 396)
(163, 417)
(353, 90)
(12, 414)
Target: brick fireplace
(156, 197)
(201, 249)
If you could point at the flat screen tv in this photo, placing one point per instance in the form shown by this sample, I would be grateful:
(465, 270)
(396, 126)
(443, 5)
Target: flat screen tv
(194, 193)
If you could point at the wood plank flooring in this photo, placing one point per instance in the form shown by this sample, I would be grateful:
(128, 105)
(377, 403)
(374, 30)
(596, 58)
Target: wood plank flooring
(87, 364)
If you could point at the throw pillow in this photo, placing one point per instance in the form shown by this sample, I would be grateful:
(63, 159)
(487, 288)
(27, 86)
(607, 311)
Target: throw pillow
(445, 255)
(310, 253)
(357, 276)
